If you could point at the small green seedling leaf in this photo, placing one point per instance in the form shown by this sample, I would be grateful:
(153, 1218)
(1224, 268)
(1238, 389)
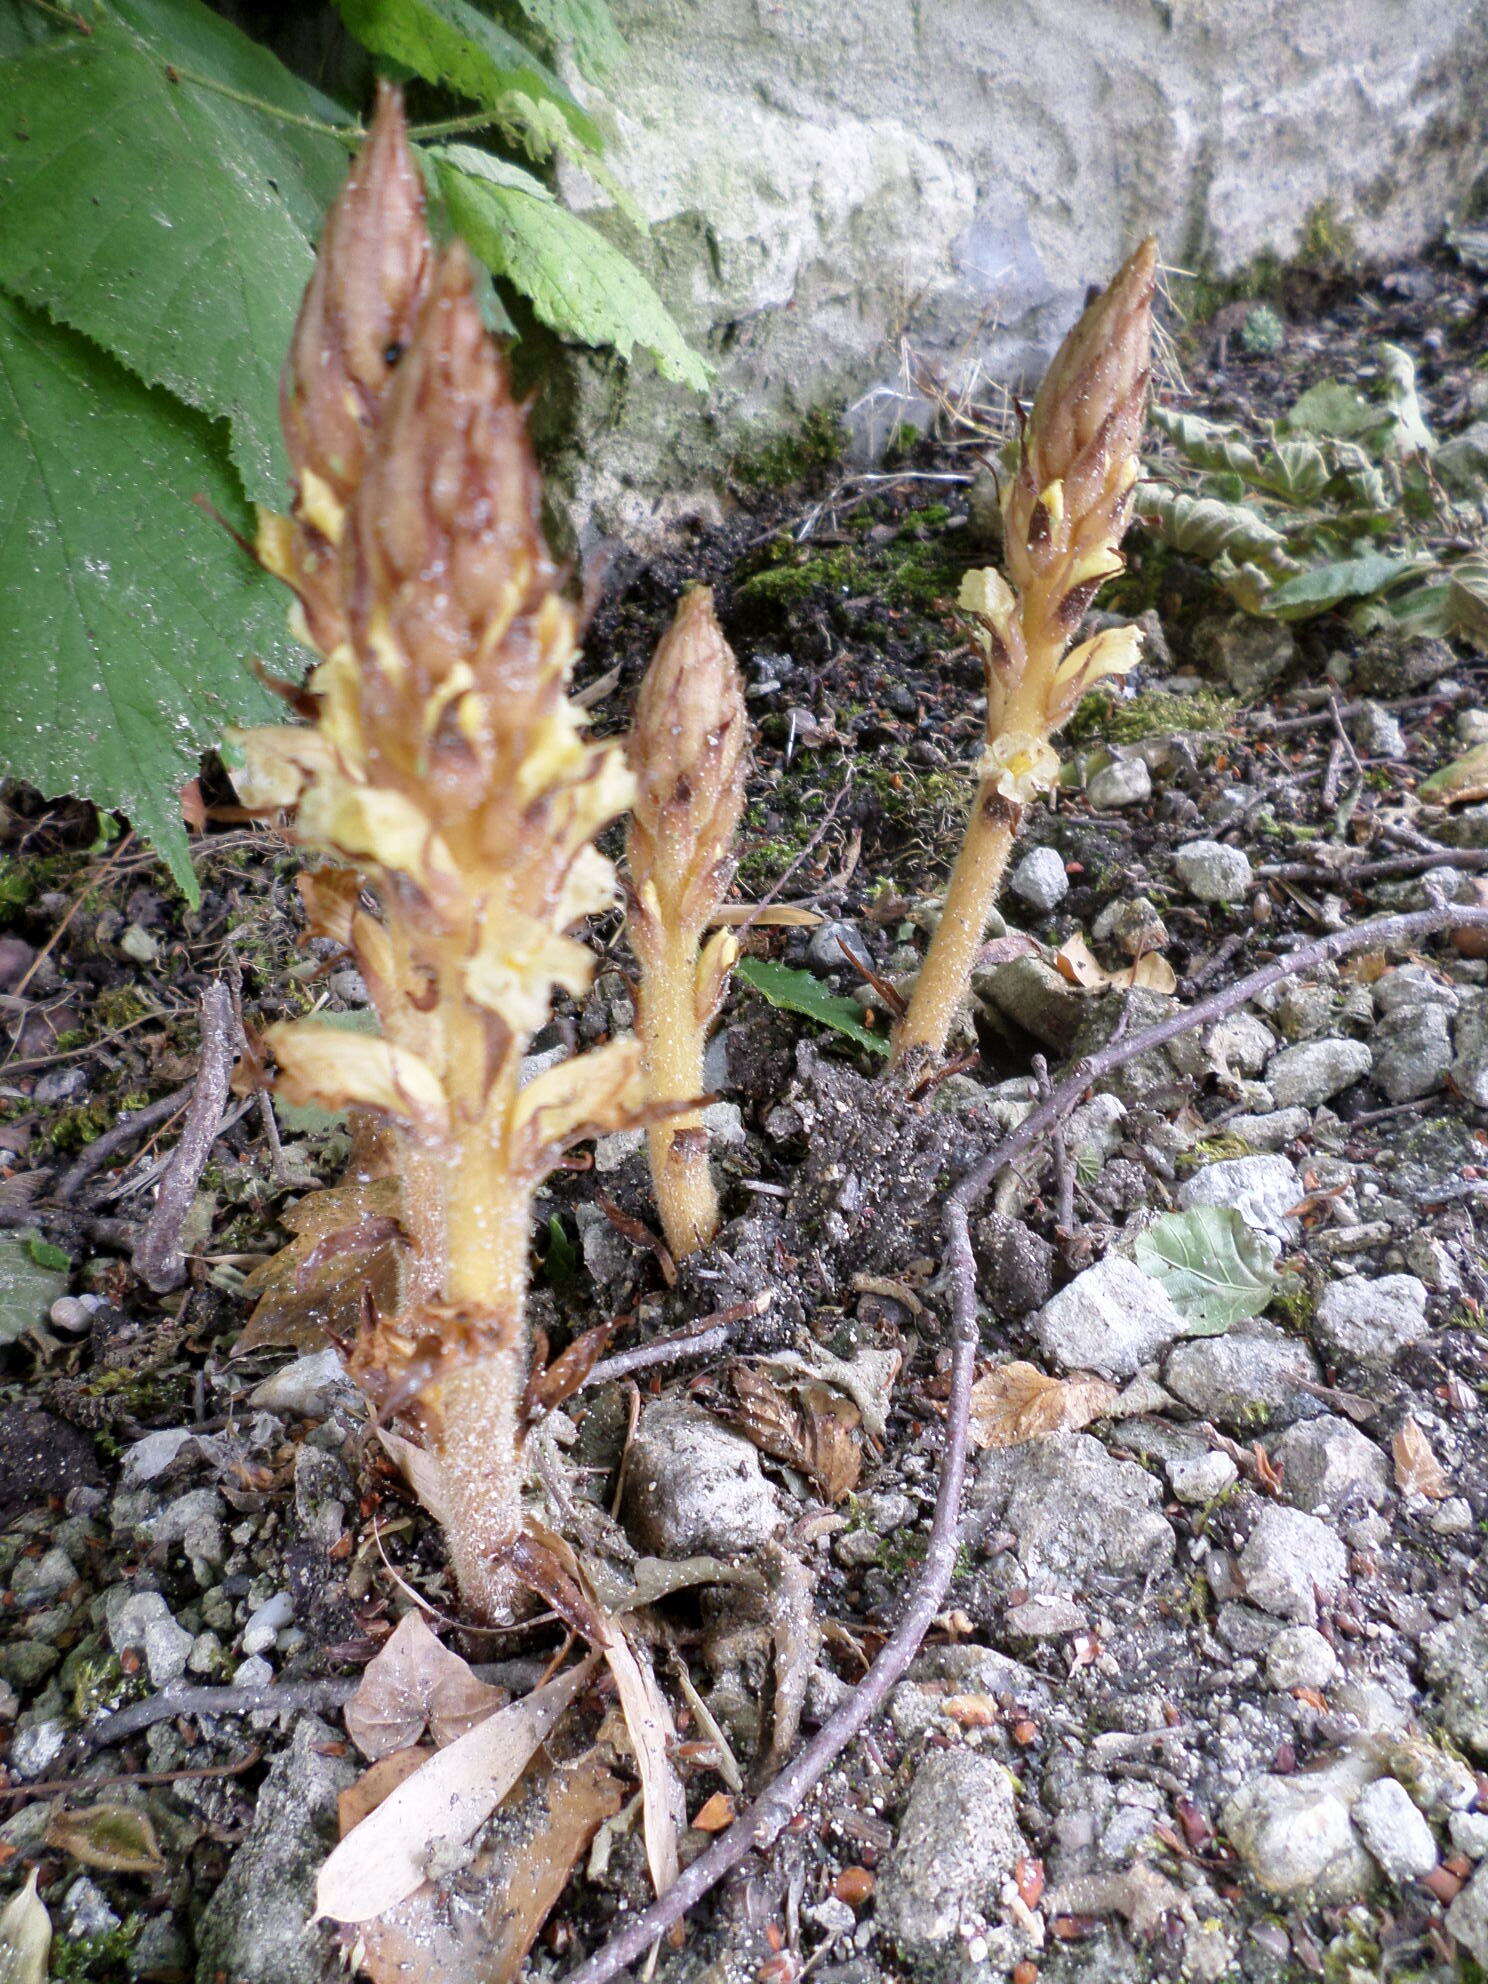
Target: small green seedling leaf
(1312, 592)
(1215, 1269)
(46, 1255)
(28, 1287)
(799, 992)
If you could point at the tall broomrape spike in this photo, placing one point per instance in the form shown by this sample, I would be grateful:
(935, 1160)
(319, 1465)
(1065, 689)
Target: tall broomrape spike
(1064, 515)
(446, 768)
(688, 753)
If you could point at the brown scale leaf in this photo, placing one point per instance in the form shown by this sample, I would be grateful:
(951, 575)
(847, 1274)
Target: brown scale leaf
(346, 1253)
(1017, 1402)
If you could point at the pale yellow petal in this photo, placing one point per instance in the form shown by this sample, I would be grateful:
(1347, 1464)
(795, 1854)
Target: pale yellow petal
(582, 1097)
(1020, 766)
(278, 764)
(1114, 652)
(519, 962)
(334, 1067)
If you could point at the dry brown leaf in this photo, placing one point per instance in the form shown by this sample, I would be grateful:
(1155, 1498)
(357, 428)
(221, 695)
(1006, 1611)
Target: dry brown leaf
(652, 1734)
(716, 1813)
(346, 1251)
(419, 1468)
(117, 1839)
(1417, 1469)
(834, 1457)
(360, 1800)
(779, 915)
(414, 1684)
(1076, 962)
(1017, 1402)
(435, 1937)
(1464, 779)
(440, 1806)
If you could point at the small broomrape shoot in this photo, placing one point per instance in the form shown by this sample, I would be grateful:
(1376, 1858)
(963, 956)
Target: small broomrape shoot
(1064, 514)
(445, 770)
(688, 752)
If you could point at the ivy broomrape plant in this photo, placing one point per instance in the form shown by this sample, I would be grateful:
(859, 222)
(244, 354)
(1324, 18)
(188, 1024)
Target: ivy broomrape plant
(1065, 512)
(445, 773)
(688, 748)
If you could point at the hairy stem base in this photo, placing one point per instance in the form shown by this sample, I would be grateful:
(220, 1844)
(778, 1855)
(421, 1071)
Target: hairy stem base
(946, 972)
(672, 1040)
(480, 1458)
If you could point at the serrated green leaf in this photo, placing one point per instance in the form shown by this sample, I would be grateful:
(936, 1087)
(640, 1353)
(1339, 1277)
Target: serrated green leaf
(1467, 600)
(125, 613)
(448, 41)
(1206, 443)
(1324, 586)
(1201, 527)
(169, 222)
(585, 26)
(578, 283)
(1215, 1269)
(799, 992)
(1333, 408)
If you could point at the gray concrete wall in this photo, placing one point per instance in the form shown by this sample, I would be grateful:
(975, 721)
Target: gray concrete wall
(838, 186)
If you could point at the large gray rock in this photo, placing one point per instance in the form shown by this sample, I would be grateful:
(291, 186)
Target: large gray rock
(692, 1487)
(1245, 1379)
(1412, 1049)
(1111, 1319)
(958, 1842)
(1470, 1066)
(1330, 1468)
(1314, 1071)
(1372, 1321)
(1457, 1664)
(1265, 1191)
(828, 188)
(1295, 1837)
(256, 1928)
(1394, 1831)
(1290, 1560)
(1079, 1515)
(1467, 1918)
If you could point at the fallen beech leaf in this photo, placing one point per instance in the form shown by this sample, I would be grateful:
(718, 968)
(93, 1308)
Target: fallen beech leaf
(414, 1684)
(360, 1800)
(972, 1711)
(419, 1468)
(440, 1806)
(1417, 1469)
(652, 1734)
(717, 1813)
(482, 1929)
(118, 1839)
(830, 1441)
(1075, 961)
(1016, 1402)
(1464, 779)
(25, 1937)
(1002, 950)
(346, 1251)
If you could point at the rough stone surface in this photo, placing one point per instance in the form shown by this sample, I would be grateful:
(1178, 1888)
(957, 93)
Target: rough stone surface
(1039, 879)
(1289, 1560)
(1299, 1657)
(255, 1929)
(1077, 1513)
(1314, 1071)
(1244, 1378)
(1372, 1321)
(1126, 783)
(1263, 1190)
(826, 188)
(1457, 1661)
(1294, 1835)
(1467, 1918)
(1111, 1319)
(1330, 1468)
(1412, 1049)
(1394, 1831)
(958, 1842)
(1470, 1064)
(1212, 872)
(691, 1486)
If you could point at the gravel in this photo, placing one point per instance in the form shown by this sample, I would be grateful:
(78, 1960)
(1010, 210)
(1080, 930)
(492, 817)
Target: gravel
(1076, 1511)
(1299, 1657)
(1212, 872)
(1040, 880)
(1112, 1318)
(1330, 1468)
(1370, 1322)
(957, 1843)
(1296, 1838)
(1265, 1191)
(693, 1487)
(1290, 1560)
(1244, 1378)
(1314, 1071)
(1412, 1049)
(1456, 1656)
(1394, 1831)
(1125, 783)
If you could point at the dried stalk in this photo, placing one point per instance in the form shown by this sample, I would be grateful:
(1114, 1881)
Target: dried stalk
(445, 769)
(1064, 515)
(688, 753)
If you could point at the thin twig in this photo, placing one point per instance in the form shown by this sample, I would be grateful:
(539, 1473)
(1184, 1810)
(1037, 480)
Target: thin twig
(761, 1824)
(270, 1698)
(678, 1349)
(71, 1225)
(124, 1132)
(1367, 871)
(47, 1787)
(158, 1259)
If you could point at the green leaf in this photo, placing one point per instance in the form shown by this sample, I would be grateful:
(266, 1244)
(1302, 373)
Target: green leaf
(28, 1288)
(1206, 443)
(1215, 1269)
(585, 26)
(166, 220)
(447, 41)
(1467, 600)
(579, 283)
(799, 992)
(1333, 408)
(1201, 527)
(46, 1255)
(1315, 591)
(125, 613)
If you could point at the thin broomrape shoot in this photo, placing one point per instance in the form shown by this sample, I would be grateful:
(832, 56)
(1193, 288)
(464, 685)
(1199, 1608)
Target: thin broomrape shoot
(1065, 512)
(446, 772)
(688, 753)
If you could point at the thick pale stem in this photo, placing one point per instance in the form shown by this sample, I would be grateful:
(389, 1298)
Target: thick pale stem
(946, 972)
(672, 1041)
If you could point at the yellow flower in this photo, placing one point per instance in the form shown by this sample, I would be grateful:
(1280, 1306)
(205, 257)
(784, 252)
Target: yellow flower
(1020, 766)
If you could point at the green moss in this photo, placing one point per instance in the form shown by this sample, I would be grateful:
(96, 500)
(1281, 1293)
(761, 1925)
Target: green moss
(74, 1129)
(1217, 1149)
(102, 1959)
(778, 460)
(1293, 1305)
(916, 571)
(119, 1007)
(1109, 718)
(1327, 240)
